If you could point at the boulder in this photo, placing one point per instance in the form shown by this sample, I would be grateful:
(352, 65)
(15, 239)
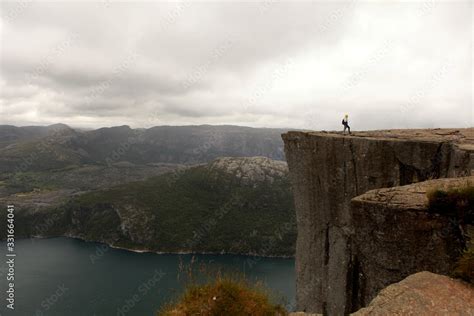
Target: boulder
(423, 293)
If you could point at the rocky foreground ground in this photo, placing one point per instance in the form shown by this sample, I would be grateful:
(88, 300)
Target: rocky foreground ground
(421, 294)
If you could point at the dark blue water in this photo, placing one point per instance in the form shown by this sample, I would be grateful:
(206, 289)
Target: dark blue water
(62, 276)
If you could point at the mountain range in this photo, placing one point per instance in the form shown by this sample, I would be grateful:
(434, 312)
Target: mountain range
(204, 189)
(35, 148)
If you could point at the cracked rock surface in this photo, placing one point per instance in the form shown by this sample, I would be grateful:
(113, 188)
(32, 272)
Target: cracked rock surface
(251, 169)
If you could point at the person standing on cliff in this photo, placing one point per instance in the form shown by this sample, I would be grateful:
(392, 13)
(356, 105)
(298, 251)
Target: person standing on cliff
(345, 122)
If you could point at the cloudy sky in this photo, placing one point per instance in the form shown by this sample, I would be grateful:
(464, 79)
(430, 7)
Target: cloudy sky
(271, 64)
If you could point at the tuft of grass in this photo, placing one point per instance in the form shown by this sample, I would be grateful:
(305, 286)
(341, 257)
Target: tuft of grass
(465, 265)
(455, 202)
(230, 294)
(224, 296)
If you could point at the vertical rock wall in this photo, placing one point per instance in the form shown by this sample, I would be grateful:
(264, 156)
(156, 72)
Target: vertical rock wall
(327, 171)
(395, 236)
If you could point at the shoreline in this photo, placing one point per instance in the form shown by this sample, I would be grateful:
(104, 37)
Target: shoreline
(255, 255)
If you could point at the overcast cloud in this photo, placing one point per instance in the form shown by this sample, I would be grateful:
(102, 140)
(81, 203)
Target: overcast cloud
(266, 64)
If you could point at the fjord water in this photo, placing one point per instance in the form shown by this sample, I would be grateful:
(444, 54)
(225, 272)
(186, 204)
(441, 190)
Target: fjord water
(63, 276)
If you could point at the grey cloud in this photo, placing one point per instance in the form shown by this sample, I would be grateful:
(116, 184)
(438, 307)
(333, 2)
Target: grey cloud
(191, 62)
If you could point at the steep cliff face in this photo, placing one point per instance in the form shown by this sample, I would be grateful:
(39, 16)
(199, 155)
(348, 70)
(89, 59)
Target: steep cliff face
(327, 170)
(395, 235)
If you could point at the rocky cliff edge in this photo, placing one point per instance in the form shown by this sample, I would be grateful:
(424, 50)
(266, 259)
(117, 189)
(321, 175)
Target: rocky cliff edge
(329, 169)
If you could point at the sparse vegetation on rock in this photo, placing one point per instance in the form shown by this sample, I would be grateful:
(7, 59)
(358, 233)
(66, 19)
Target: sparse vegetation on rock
(465, 265)
(457, 202)
(225, 295)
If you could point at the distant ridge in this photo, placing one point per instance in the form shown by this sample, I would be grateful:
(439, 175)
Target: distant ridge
(58, 145)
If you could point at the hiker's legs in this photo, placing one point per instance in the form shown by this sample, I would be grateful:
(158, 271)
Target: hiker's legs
(346, 126)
